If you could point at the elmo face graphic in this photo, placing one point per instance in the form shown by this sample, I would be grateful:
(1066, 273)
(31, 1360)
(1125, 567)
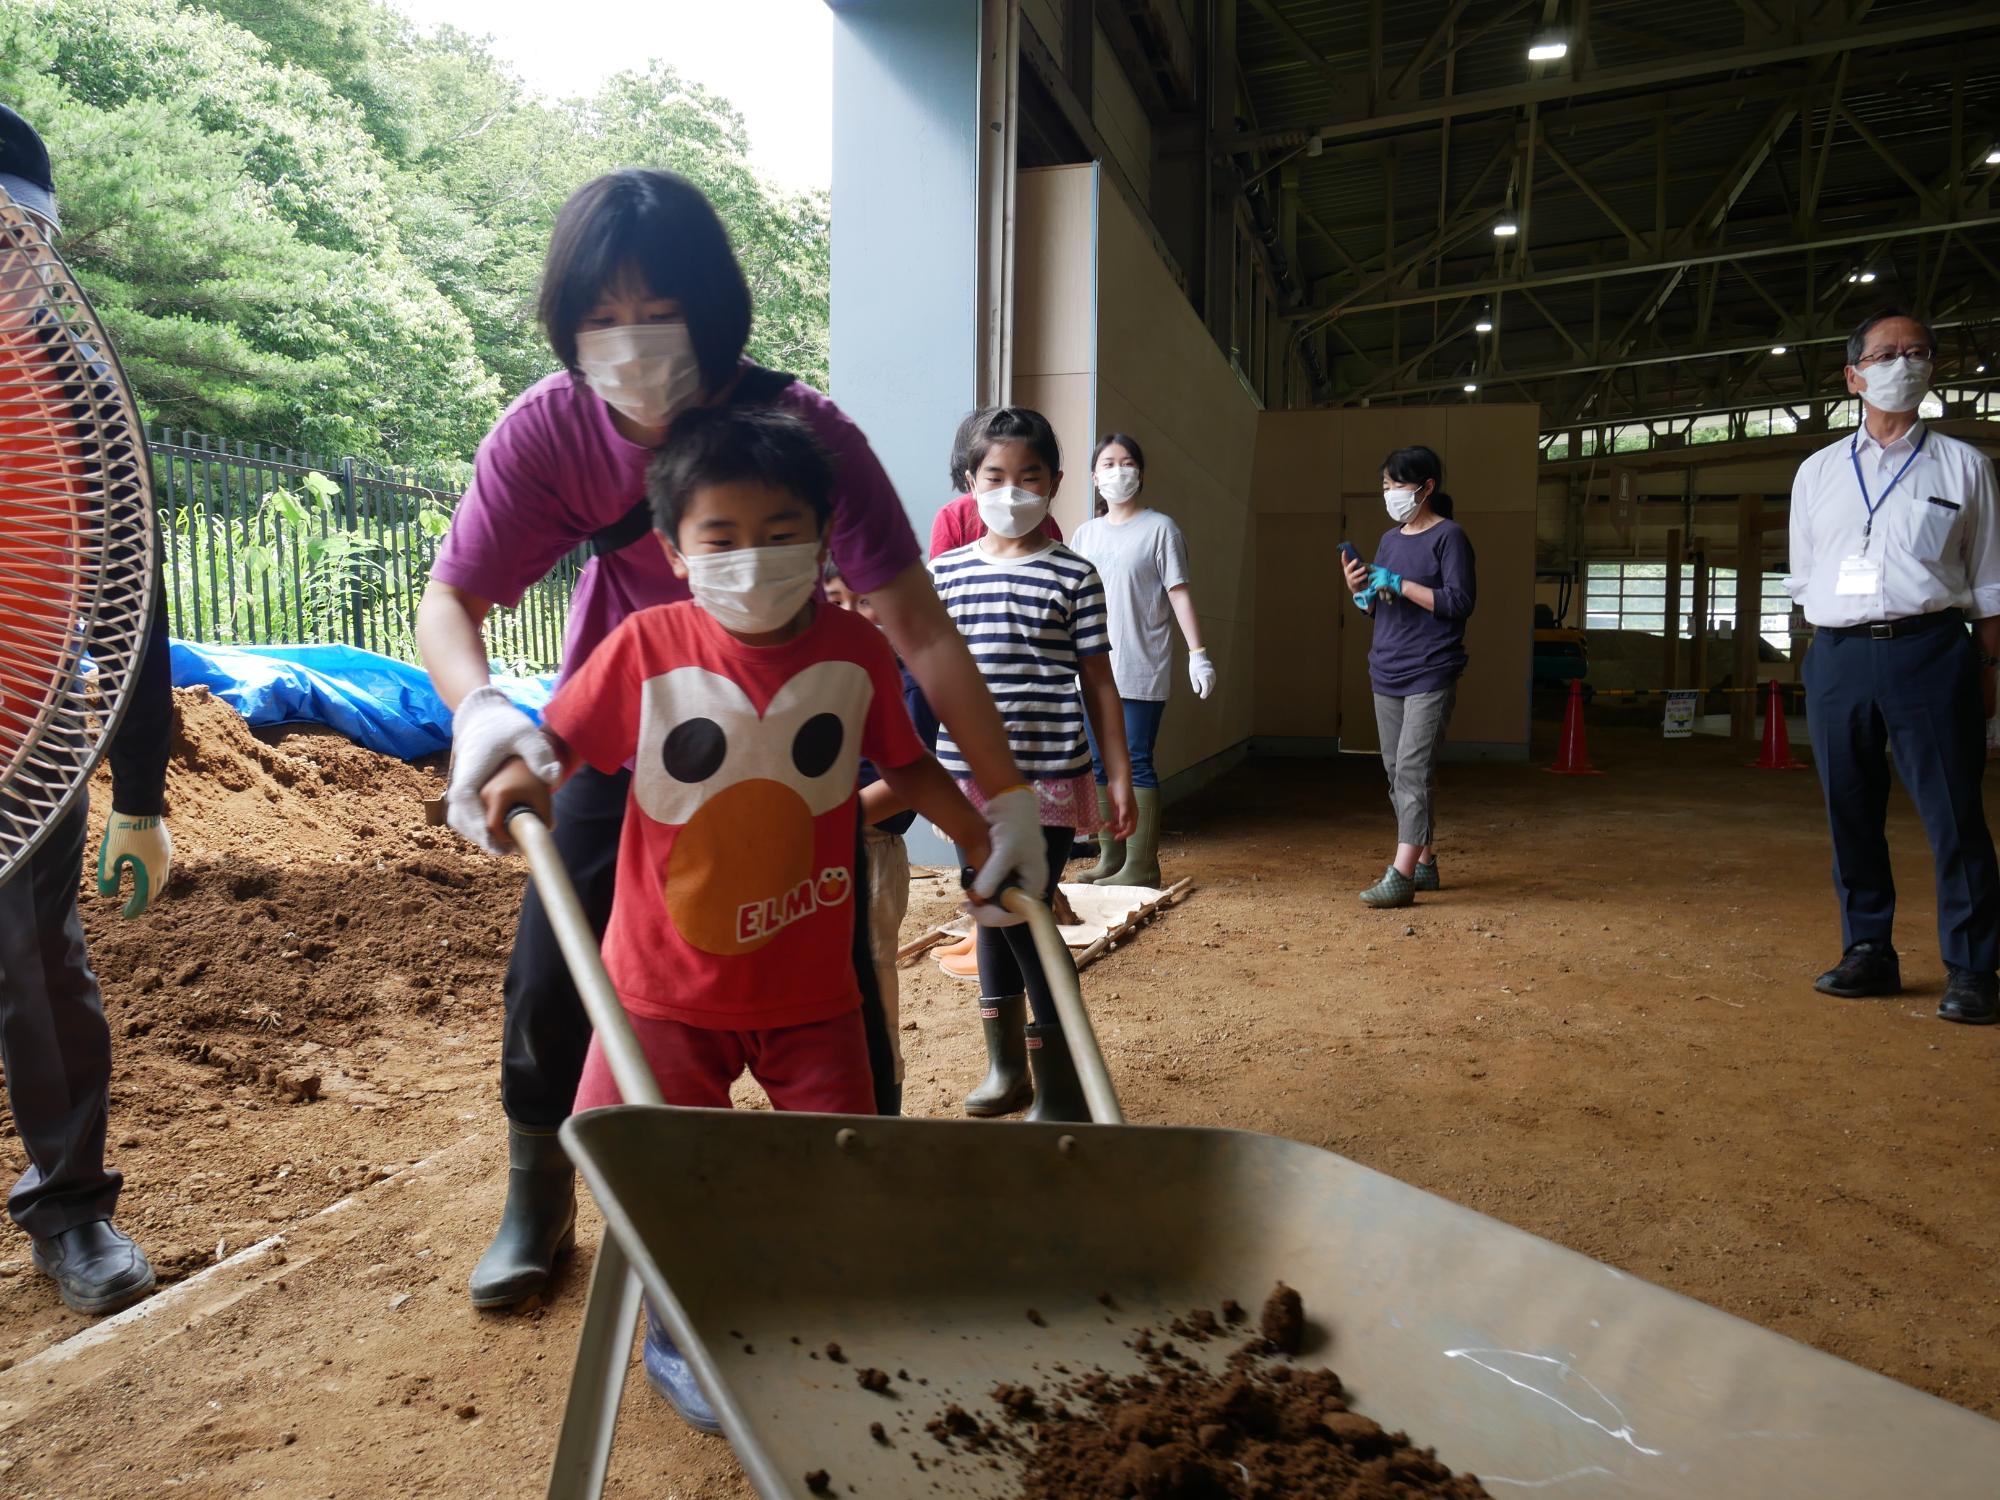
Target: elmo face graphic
(747, 789)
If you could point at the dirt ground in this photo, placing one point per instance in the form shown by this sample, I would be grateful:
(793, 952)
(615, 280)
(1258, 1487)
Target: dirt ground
(1602, 1030)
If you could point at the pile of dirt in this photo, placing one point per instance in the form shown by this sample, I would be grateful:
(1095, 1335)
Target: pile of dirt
(307, 896)
(314, 992)
(1260, 1429)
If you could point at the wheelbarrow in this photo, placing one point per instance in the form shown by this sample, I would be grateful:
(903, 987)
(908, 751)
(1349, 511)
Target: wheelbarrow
(956, 1255)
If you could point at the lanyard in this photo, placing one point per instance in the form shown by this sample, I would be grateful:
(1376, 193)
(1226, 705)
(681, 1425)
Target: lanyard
(1853, 456)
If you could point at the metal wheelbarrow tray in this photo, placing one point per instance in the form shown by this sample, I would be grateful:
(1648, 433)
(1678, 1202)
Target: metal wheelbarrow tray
(924, 1245)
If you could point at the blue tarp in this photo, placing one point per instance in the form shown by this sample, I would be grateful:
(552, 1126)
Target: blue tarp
(376, 701)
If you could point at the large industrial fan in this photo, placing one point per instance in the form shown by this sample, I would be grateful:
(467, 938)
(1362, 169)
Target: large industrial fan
(76, 538)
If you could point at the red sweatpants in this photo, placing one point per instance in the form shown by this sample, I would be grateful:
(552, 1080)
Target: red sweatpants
(817, 1069)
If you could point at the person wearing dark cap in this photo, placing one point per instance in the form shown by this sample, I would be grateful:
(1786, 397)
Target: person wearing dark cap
(55, 1047)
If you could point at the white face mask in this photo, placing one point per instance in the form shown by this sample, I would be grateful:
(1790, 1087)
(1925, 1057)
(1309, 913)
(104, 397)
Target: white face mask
(1118, 484)
(1402, 504)
(754, 590)
(647, 371)
(1898, 385)
(1012, 512)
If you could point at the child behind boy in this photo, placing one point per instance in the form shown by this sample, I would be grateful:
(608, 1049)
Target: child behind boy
(1032, 613)
(744, 715)
(884, 822)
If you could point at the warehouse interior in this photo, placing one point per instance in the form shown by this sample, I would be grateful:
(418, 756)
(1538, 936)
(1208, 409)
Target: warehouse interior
(1602, 256)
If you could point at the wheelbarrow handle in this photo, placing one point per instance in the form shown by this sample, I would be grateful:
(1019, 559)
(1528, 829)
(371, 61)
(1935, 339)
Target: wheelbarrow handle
(1060, 971)
(574, 935)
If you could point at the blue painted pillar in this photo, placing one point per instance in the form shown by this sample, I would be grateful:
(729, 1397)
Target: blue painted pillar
(905, 284)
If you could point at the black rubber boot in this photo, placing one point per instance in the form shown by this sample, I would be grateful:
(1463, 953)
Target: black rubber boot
(1006, 1086)
(537, 1226)
(1058, 1094)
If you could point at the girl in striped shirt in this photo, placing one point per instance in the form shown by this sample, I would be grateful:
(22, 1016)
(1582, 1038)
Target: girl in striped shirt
(1032, 613)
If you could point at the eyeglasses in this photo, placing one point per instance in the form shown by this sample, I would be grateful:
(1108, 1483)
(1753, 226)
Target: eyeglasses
(1883, 356)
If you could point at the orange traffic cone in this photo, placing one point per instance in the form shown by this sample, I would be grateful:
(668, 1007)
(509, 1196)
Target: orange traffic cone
(1777, 754)
(1574, 757)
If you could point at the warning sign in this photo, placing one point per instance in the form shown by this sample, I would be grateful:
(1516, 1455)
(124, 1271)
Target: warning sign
(1680, 715)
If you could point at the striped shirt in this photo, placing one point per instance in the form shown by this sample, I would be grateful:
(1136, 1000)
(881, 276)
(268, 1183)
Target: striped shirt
(1029, 622)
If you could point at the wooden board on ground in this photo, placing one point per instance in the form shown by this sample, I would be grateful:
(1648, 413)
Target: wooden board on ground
(1107, 915)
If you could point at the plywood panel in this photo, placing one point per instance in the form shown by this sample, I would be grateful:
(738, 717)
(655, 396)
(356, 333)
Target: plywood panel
(1362, 522)
(1490, 457)
(1153, 347)
(1370, 433)
(1298, 628)
(1119, 115)
(1298, 463)
(1493, 695)
(1066, 400)
(1055, 276)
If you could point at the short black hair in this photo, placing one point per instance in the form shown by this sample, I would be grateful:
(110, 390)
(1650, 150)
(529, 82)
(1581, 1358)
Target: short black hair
(961, 445)
(722, 444)
(1857, 341)
(661, 226)
(1014, 424)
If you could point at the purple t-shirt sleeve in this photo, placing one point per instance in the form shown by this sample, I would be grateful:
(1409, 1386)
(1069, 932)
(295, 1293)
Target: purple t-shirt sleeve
(872, 541)
(511, 526)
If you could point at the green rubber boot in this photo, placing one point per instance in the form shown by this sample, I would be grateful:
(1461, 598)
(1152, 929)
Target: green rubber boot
(1058, 1091)
(1142, 854)
(1007, 1085)
(538, 1225)
(1110, 851)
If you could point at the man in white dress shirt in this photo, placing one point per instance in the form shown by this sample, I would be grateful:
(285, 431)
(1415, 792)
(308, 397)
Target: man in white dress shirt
(1895, 550)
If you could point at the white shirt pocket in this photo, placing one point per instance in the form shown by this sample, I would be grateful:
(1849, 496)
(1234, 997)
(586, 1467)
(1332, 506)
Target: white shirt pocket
(1934, 523)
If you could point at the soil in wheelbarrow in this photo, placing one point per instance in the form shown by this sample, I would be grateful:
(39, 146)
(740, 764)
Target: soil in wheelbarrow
(1260, 1428)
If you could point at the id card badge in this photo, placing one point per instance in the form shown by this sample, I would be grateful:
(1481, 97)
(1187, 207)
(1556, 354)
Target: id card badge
(1859, 576)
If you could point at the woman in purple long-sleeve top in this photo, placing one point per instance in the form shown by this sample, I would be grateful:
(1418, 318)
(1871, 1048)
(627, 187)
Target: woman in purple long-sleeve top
(1419, 593)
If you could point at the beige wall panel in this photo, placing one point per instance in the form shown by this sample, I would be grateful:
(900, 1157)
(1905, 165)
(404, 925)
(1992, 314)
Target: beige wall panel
(1055, 274)
(1119, 116)
(1362, 522)
(1370, 433)
(1298, 627)
(1490, 457)
(1298, 462)
(1046, 16)
(1153, 347)
(1492, 703)
(1066, 401)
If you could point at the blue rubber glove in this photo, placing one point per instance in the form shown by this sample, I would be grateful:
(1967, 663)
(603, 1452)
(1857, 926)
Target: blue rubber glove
(1382, 581)
(1364, 602)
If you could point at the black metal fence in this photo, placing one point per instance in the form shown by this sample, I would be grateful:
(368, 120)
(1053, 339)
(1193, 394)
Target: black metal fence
(269, 545)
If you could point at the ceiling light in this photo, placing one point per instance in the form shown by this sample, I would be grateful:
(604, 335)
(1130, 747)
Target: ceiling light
(1993, 157)
(1505, 228)
(1777, 348)
(1470, 387)
(1979, 370)
(1866, 277)
(1547, 49)
(1314, 145)
(1485, 323)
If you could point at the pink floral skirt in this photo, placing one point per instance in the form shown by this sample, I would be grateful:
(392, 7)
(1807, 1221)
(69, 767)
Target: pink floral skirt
(1066, 802)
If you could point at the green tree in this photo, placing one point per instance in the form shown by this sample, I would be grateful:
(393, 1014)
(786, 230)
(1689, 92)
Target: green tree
(305, 224)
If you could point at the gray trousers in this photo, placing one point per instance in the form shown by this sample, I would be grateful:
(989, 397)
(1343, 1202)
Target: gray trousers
(54, 1044)
(1411, 730)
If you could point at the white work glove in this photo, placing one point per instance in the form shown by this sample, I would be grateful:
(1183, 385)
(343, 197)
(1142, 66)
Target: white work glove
(1020, 856)
(487, 732)
(1201, 672)
(141, 845)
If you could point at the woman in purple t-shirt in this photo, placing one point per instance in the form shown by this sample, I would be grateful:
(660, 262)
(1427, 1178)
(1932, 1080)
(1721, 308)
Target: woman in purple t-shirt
(645, 306)
(1419, 593)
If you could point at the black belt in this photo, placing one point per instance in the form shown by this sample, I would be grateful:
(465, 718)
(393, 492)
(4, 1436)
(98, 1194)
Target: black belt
(1889, 630)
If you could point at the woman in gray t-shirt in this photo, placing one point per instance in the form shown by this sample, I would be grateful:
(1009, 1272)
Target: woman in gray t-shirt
(1142, 558)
